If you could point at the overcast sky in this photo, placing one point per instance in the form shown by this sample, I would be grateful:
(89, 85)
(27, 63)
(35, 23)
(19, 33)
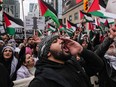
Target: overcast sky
(26, 6)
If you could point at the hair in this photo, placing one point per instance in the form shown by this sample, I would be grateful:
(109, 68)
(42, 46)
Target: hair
(22, 55)
(44, 46)
(34, 51)
(29, 38)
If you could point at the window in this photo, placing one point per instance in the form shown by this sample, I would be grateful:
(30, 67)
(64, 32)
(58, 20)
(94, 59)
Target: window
(76, 16)
(64, 20)
(70, 18)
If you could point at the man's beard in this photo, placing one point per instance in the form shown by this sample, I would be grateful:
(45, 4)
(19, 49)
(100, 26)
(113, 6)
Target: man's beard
(60, 55)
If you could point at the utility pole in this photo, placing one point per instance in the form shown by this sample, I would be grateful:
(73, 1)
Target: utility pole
(34, 24)
(23, 18)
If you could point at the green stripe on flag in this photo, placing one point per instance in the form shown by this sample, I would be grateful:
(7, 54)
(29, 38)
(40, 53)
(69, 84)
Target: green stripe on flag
(53, 16)
(10, 30)
(62, 29)
(98, 14)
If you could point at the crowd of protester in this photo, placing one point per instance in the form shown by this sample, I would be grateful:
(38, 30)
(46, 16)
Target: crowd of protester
(91, 56)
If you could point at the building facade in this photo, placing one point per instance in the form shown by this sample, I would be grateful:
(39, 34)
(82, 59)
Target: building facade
(12, 7)
(33, 10)
(71, 11)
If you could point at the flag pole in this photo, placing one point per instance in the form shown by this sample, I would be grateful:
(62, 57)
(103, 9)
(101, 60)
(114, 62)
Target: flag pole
(23, 17)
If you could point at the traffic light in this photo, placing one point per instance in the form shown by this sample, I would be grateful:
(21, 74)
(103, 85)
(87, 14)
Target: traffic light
(1, 5)
(85, 4)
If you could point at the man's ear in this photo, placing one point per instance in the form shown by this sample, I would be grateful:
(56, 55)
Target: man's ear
(49, 54)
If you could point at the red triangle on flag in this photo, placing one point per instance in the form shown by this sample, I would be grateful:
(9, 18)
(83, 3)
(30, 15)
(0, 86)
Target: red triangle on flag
(68, 25)
(43, 7)
(60, 27)
(106, 23)
(81, 15)
(7, 22)
(94, 6)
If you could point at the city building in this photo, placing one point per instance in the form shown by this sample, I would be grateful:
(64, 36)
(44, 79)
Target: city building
(33, 10)
(12, 7)
(71, 11)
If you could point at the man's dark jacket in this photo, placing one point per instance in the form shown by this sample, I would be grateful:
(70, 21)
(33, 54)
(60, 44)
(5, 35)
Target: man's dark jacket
(70, 74)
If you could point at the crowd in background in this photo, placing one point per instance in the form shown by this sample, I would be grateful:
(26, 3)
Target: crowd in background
(18, 60)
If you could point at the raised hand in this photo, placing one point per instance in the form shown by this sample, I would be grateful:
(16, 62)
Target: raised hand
(73, 46)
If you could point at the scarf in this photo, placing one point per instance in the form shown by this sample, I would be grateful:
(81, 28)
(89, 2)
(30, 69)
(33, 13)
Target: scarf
(112, 60)
(13, 66)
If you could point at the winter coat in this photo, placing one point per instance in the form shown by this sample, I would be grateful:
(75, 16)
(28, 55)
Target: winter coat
(70, 74)
(23, 72)
(3, 76)
(107, 76)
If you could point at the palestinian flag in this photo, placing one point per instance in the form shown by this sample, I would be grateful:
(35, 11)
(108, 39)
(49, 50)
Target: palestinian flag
(62, 28)
(69, 32)
(81, 15)
(11, 23)
(110, 21)
(45, 11)
(94, 6)
(98, 8)
(51, 28)
(107, 22)
(70, 27)
(98, 25)
(87, 16)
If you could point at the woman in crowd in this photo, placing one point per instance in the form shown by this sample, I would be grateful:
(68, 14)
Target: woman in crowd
(27, 67)
(9, 61)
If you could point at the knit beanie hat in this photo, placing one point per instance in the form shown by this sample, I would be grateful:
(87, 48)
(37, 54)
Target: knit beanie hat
(8, 47)
(1, 41)
(44, 46)
(12, 42)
